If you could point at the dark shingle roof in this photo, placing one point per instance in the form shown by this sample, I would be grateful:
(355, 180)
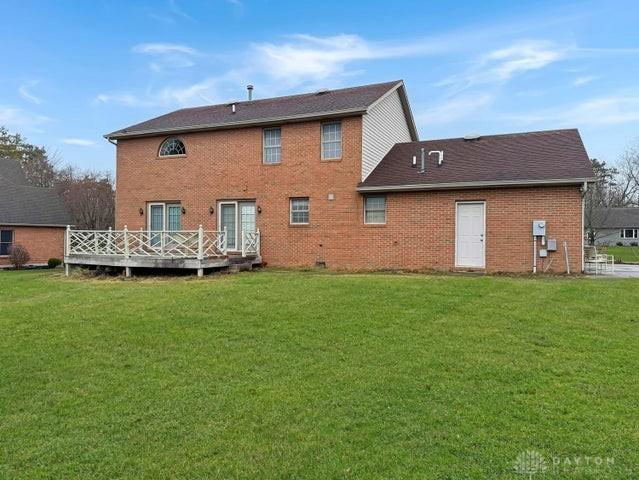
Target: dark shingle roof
(617, 217)
(21, 204)
(554, 156)
(305, 106)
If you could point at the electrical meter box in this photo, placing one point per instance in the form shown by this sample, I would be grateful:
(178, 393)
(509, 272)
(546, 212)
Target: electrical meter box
(552, 245)
(543, 253)
(539, 228)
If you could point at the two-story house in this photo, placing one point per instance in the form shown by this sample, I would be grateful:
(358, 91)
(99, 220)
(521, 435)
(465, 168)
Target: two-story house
(339, 178)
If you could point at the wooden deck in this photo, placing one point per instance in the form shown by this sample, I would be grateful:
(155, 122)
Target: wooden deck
(128, 249)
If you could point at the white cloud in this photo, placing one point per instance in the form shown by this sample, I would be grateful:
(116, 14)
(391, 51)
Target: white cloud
(453, 109)
(579, 81)
(125, 99)
(162, 48)
(607, 110)
(198, 93)
(167, 55)
(24, 92)
(308, 58)
(13, 117)
(499, 66)
(80, 142)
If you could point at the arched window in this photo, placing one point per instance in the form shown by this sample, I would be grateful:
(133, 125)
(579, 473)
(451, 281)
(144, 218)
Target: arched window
(172, 146)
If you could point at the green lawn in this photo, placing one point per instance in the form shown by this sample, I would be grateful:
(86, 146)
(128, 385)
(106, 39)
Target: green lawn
(624, 254)
(316, 376)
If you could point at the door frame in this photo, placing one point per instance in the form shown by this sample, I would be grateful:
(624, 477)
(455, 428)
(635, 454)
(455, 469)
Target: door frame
(238, 220)
(471, 202)
(165, 212)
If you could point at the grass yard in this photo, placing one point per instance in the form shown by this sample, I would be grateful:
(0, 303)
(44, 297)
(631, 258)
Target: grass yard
(624, 254)
(317, 376)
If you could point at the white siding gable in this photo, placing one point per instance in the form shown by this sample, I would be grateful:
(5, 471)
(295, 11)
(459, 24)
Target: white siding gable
(383, 126)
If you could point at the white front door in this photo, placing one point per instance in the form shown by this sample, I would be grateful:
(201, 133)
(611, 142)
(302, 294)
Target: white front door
(470, 235)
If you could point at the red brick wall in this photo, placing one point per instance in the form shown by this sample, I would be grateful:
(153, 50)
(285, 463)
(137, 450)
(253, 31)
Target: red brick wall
(420, 228)
(42, 243)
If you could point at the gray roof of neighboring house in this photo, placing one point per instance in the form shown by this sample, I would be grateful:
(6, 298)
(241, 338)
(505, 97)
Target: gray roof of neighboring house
(548, 157)
(321, 104)
(617, 217)
(22, 204)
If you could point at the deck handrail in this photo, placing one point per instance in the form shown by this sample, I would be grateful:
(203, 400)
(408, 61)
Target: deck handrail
(127, 243)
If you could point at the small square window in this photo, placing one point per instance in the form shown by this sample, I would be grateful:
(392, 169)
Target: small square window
(272, 145)
(299, 211)
(375, 209)
(332, 141)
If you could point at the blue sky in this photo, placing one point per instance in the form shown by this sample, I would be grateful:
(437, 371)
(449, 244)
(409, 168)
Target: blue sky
(73, 71)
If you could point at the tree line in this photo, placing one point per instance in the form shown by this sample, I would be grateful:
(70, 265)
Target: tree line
(616, 186)
(88, 195)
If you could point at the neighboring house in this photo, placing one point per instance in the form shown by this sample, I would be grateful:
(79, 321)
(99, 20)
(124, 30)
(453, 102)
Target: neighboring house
(616, 225)
(34, 217)
(335, 178)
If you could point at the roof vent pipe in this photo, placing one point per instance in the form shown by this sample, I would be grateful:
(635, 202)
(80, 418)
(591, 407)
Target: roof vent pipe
(440, 154)
(250, 92)
(232, 108)
(423, 169)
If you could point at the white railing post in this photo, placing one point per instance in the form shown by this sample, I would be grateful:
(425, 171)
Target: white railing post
(258, 242)
(67, 241)
(95, 242)
(200, 243)
(224, 242)
(109, 246)
(126, 242)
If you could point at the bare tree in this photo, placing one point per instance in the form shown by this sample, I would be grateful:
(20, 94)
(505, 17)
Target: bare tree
(89, 197)
(598, 199)
(18, 256)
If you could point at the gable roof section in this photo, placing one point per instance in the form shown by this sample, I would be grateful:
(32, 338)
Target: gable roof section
(21, 204)
(318, 105)
(617, 217)
(532, 158)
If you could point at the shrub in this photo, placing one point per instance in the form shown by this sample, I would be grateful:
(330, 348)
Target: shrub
(19, 256)
(634, 244)
(620, 244)
(54, 262)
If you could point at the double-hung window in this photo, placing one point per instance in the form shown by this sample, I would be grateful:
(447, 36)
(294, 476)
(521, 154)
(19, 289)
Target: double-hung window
(332, 141)
(299, 211)
(272, 145)
(375, 209)
(629, 233)
(6, 240)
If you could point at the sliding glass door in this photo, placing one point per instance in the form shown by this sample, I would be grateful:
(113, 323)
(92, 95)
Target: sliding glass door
(163, 217)
(236, 217)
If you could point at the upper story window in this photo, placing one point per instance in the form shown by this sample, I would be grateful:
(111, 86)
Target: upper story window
(272, 145)
(172, 146)
(332, 141)
(6, 240)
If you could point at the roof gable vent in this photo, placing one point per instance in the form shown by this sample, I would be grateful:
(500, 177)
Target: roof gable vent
(472, 136)
(322, 91)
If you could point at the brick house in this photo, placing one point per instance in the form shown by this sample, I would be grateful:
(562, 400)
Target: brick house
(31, 216)
(339, 178)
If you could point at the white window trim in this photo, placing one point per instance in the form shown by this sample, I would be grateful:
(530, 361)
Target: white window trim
(457, 203)
(238, 219)
(177, 155)
(290, 210)
(635, 233)
(341, 140)
(264, 146)
(385, 210)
